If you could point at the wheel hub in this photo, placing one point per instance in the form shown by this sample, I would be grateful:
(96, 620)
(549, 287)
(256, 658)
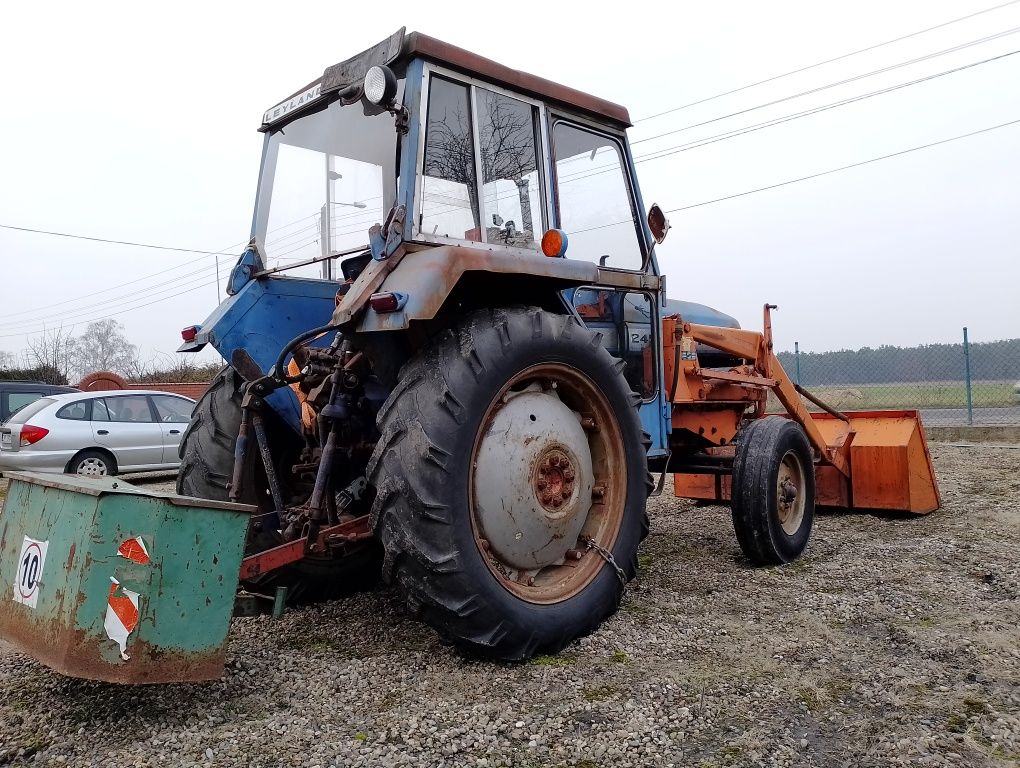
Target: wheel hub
(533, 480)
(554, 480)
(790, 501)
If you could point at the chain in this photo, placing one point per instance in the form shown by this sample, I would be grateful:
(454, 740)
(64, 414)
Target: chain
(607, 556)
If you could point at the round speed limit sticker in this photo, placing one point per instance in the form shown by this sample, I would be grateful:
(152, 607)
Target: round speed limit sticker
(30, 570)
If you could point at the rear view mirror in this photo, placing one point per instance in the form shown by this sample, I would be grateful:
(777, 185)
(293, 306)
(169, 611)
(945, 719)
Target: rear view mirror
(658, 223)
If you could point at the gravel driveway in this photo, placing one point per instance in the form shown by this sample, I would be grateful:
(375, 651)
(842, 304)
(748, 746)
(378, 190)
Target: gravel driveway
(895, 641)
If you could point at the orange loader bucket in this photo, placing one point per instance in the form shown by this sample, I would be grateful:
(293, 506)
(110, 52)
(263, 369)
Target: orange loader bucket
(890, 467)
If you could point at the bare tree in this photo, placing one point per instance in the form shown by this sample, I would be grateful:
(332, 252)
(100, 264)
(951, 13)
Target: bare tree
(52, 349)
(507, 137)
(103, 347)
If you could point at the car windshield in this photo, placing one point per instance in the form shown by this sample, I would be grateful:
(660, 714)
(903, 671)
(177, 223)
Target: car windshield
(23, 414)
(326, 178)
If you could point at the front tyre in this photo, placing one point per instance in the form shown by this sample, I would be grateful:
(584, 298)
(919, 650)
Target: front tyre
(773, 496)
(511, 470)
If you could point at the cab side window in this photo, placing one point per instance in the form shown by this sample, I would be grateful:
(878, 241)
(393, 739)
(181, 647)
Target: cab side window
(449, 186)
(511, 190)
(593, 198)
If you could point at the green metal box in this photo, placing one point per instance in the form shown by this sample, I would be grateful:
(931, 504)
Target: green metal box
(103, 580)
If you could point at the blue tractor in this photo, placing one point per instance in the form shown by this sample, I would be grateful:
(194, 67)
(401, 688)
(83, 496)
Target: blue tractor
(444, 349)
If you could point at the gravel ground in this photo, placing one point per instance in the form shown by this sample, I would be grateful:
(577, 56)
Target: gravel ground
(894, 641)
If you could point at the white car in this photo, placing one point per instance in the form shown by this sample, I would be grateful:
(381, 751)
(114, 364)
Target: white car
(96, 433)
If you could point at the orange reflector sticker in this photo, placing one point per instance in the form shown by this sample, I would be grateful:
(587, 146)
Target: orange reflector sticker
(134, 550)
(121, 615)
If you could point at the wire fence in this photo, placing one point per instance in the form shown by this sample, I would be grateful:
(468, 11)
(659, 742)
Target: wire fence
(952, 384)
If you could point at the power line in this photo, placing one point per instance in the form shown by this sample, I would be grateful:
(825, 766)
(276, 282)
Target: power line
(826, 61)
(85, 309)
(118, 312)
(846, 167)
(811, 176)
(115, 242)
(696, 143)
(883, 70)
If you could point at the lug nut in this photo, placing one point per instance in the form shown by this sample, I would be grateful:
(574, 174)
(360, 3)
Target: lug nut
(557, 502)
(568, 474)
(542, 484)
(555, 460)
(546, 498)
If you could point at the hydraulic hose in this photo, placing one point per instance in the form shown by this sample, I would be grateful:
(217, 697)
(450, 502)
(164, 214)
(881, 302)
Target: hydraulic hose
(278, 370)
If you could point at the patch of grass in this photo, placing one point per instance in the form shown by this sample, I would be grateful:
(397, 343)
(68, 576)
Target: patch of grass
(359, 736)
(956, 723)
(599, 693)
(560, 660)
(972, 705)
(810, 698)
(645, 561)
(916, 394)
(619, 657)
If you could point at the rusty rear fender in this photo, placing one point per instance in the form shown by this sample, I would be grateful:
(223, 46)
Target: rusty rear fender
(429, 277)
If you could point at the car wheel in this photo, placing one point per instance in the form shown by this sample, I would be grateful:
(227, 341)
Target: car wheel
(93, 464)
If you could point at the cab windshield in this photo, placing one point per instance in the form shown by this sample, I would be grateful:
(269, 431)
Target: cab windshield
(326, 178)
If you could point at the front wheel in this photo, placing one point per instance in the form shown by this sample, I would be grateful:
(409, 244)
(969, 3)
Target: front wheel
(773, 495)
(511, 482)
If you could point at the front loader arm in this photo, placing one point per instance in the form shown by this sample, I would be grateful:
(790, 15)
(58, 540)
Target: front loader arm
(756, 348)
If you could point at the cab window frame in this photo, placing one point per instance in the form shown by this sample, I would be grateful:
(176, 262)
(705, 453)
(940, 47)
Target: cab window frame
(619, 140)
(542, 155)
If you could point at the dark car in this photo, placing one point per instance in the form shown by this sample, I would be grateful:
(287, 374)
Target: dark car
(15, 395)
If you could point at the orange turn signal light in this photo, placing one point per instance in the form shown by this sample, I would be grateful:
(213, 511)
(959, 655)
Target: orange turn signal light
(554, 243)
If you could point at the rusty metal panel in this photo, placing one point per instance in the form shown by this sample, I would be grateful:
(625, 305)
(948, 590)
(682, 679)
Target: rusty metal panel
(105, 581)
(428, 276)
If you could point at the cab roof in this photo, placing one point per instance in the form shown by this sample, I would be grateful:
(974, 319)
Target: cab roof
(401, 47)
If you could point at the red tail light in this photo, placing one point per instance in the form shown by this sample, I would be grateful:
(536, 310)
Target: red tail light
(31, 434)
(189, 333)
(387, 302)
(384, 302)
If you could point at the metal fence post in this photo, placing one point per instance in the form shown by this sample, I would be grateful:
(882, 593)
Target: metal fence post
(796, 357)
(966, 365)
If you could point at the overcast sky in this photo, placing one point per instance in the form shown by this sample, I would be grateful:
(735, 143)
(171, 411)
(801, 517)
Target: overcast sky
(124, 122)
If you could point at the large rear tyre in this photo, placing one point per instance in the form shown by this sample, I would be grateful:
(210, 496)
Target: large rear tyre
(207, 464)
(207, 447)
(773, 495)
(511, 479)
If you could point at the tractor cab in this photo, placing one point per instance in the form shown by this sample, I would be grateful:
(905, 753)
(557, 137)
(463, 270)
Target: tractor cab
(479, 155)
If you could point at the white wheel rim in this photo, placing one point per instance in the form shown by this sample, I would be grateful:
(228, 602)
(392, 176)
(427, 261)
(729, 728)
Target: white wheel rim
(92, 467)
(790, 500)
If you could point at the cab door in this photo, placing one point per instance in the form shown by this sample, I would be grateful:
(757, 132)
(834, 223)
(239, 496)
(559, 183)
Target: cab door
(127, 426)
